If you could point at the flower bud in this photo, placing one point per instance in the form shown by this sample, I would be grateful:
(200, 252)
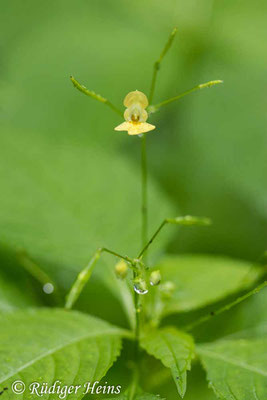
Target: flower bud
(167, 289)
(155, 278)
(121, 269)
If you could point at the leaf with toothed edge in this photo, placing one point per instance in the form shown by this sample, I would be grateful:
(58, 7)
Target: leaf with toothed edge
(45, 345)
(138, 396)
(175, 349)
(236, 369)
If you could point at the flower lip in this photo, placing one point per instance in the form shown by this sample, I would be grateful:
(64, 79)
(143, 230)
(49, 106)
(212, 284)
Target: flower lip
(135, 128)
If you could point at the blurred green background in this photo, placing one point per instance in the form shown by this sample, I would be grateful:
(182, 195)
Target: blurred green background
(70, 183)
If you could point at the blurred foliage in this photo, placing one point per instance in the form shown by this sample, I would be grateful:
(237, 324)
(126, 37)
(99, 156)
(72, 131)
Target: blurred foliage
(200, 280)
(208, 151)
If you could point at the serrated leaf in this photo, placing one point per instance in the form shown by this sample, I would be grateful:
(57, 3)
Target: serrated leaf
(46, 345)
(175, 349)
(201, 279)
(139, 396)
(236, 369)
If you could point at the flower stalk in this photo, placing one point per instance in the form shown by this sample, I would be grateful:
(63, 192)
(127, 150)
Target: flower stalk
(138, 109)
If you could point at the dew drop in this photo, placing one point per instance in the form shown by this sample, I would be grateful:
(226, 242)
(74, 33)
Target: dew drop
(140, 289)
(48, 288)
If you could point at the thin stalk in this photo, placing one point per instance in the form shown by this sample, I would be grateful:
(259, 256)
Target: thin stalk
(37, 273)
(144, 190)
(188, 220)
(84, 276)
(144, 230)
(152, 239)
(134, 385)
(114, 253)
(158, 62)
(33, 269)
(155, 107)
(227, 307)
(95, 96)
(137, 323)
(144, 223)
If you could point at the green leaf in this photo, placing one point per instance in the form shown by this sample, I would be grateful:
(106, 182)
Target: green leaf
(51, 344)
(175, 349)
(142, 396)
(236, 369)
(201, 279)
(138, 395)
(148, 396)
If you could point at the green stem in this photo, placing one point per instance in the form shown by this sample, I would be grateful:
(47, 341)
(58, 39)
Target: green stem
(134, 385)
(32, 268)
(158, 62)
(227, 307)
(37, 273)
(137, 323)
(188, 220)
(95, 96)
(86, 273)
(144, 190)
(152, 238)
(144, 227)
(154, 108)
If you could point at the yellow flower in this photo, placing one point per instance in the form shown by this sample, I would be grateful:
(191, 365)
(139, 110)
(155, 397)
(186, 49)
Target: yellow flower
(135, 114)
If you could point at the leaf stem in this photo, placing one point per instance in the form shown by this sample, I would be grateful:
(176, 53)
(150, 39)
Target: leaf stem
(95, 96)
(154, 108)
(158, 62)
(227, 307)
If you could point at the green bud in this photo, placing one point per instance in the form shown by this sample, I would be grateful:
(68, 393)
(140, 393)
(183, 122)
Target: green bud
(167, 289)
(121, 269)
(155, 278)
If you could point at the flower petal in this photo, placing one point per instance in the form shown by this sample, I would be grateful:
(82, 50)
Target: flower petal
(125, 126)
(136, 97)
(142, 127)
(135, 128)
